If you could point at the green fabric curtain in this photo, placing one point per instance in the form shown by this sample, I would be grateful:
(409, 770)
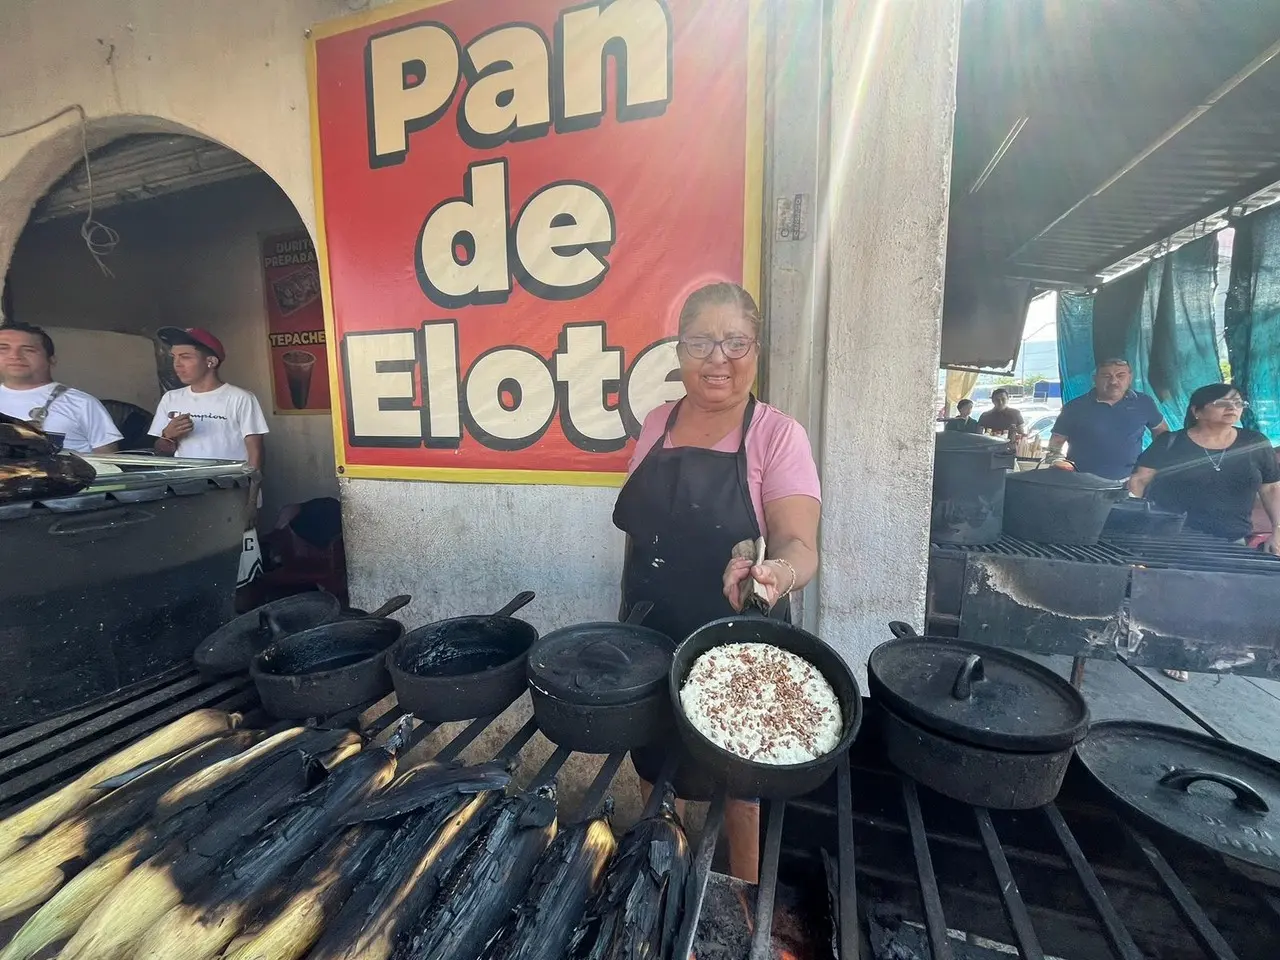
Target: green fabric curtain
(1253, 319)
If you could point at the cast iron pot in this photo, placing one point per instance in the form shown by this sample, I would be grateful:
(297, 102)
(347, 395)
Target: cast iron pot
(969, 472)
(746, 778)
(463, 667)
(1059, 506)
(326, 669)
(975, 723)
(1217, 796)
(230, 648)
(1141, 518)
(601, 687)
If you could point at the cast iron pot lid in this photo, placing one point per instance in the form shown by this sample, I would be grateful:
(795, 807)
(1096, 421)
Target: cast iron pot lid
(1214, 793)
(601, 663)
(954, 440)
(979, 694)
(1068, 479)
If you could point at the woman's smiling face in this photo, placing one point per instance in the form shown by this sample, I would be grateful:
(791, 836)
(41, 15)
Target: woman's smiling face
(717, 382)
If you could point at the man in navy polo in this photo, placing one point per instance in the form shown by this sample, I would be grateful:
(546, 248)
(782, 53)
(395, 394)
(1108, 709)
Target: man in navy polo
(1105, 427)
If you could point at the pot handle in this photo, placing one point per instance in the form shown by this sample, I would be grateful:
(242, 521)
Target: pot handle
(1247, 798)
(971, 671)
(902, 631)
(518, 601)
(639, 610)
(391, 606)
(270, 626)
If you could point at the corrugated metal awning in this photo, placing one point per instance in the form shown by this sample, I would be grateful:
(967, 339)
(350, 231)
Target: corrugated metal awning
(141, 167)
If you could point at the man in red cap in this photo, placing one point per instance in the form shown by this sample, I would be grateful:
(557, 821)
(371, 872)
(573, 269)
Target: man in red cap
(206, 419)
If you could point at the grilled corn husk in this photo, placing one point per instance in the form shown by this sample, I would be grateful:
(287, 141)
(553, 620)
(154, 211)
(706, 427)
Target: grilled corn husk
(176, 870)
(19, 828)
(567, 876)
(487, 883)
(215, 914)
(426, 784)
(288, 928)
(405, 879)
(638, 911)
(33, 874)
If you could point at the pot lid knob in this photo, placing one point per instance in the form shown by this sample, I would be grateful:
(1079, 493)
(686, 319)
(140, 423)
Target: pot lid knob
(1247, 798)
(971, 671)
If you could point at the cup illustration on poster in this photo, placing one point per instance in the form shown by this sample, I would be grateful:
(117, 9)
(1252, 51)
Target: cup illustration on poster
(295, 324)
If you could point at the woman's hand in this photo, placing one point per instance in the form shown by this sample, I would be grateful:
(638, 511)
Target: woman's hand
(739, 574)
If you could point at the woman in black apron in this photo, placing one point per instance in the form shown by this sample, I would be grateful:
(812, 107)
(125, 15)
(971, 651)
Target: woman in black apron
(694, 494)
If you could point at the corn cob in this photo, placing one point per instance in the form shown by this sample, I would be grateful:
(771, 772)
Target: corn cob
(567, 876)
(348, 747)
(19, 828)
(638, 911)
(211, 918)
(487, 883)
(176, 869)
(36, 872)
(221, 776)
(288, 930)
(426, 784)
(406, 877)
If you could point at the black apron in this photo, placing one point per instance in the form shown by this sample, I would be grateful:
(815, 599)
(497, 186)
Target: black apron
(684, 510)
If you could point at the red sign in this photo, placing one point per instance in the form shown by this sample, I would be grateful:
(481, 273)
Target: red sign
(295, 324)
(515, 197)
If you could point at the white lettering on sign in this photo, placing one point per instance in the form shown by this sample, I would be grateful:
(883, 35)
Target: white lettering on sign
(562, 235)
(461, 255)
(411, 75)
(510, 395)
(379, 371)
(513, 92)
(508, 71)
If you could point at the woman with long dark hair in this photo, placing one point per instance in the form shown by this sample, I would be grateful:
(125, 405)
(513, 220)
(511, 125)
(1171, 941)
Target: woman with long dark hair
(1213, 470)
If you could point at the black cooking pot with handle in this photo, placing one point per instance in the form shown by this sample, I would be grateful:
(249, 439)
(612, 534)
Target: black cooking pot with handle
(748, 778)
(231, 648)
(976, 723)
(1135, 517)
(1216, 795)
(601, 687)
(463, 667)
(969, 474)
(1059, 506)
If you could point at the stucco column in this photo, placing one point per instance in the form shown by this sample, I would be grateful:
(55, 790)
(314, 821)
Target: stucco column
(892, 104)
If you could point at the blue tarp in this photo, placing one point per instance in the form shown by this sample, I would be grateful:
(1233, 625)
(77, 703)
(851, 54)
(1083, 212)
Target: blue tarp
(1253, 319)
(1158, 317)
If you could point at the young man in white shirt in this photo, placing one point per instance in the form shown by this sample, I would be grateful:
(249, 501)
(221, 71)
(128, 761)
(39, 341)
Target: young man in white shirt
(206, 419)
(30, 393)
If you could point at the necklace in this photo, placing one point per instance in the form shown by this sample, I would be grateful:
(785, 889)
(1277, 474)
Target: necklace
(1216, 464)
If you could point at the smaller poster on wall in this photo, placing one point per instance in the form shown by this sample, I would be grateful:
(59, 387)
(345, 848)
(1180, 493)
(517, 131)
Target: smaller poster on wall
(295, 324)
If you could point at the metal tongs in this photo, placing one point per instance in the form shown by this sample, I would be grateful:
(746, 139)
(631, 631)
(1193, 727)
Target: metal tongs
(757, 601)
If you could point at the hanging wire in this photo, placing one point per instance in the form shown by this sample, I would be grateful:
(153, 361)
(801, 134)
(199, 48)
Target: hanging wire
(100, 239)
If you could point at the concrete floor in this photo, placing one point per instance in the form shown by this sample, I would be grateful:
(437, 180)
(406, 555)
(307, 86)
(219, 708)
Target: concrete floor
(1243, 710)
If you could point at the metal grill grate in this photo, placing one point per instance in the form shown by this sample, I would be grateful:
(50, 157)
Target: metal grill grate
(916, 874)
(1013, 547)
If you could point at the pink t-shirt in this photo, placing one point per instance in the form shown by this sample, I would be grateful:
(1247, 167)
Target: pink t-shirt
(779, 458)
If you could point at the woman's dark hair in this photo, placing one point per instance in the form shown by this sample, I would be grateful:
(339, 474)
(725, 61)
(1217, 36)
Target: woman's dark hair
(46, 341)
(717, 295)
(1203, 397)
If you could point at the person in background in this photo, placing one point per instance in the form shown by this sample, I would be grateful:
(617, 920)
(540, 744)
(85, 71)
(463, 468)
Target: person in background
(1212, 470)
(709, 471)
(207, 419)
(963, 422)
(1002, 418)
(29, 392)
(1106, 426)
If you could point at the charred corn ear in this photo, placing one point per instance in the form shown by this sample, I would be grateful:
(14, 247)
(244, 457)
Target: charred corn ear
(350, 745)
(486, 884)
(218, 911)
(323, 884)
(568, 874)
(37, 871)
(195, 788)
(196, 726)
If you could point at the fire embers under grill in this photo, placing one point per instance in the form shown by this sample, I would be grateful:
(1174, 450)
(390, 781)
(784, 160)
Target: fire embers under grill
(801, 925)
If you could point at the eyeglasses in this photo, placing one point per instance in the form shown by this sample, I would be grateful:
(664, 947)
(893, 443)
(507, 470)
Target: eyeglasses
(1225, 402)
(733, 348)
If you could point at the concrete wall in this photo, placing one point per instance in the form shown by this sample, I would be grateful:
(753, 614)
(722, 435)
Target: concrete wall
(234, 71)
(189, 259)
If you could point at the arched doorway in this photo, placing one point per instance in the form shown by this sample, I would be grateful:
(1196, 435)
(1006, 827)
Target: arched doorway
(189, 219)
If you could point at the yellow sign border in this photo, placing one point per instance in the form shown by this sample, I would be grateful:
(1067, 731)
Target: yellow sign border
(752, 240)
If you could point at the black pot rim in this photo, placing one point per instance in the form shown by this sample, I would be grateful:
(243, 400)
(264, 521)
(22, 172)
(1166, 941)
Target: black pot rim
(257, 672)
(992, 739)
(776, 770)
(598, 699)
(398, 648)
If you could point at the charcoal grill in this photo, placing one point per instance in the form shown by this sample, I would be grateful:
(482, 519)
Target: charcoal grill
(916, 876)
(1190, 602)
